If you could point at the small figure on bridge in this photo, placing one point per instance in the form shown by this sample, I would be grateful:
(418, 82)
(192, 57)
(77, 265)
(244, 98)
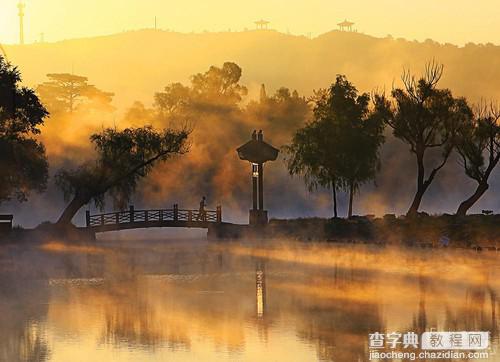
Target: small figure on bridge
(254, 135)
(202, 212)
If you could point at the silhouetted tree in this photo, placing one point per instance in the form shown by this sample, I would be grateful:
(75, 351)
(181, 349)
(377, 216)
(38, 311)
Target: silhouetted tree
(123, 158)
(65, 92)
(171, 101)
(312, 154)
(360, 135)
(279, 114)
(23, 163)
(479, 147)
(425, 118)
(220, 84)
(340, 148)
(214, 92)
(139, 114)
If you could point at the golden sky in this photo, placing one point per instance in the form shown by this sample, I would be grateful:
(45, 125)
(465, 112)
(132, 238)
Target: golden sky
(454, 21)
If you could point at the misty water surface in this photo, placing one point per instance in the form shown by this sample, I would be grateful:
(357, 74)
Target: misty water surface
(201, 301)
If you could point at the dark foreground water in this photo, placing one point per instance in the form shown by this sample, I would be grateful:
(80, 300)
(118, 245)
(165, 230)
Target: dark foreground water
(200, 301)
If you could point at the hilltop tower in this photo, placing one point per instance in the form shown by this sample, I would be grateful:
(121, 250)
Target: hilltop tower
(21, 7)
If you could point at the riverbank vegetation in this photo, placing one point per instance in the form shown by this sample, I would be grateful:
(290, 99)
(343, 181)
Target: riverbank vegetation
(476, 231)
(340, 146)
(333, 140)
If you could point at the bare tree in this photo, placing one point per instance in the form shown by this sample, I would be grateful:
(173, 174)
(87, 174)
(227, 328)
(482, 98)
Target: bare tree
(426, 118)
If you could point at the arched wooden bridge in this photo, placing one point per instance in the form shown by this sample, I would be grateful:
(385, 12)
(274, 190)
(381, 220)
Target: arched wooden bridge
(141, 219)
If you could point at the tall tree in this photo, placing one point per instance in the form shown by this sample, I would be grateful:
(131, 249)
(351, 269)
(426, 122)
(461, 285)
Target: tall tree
(340, 148)
(172, 101)
(426, 118)
(360, 135)
(23, 163)
(478, 144)
(65, 92)
(123, 158)
(220, 84)
(213, 94)
(312, 154)
(360, 153)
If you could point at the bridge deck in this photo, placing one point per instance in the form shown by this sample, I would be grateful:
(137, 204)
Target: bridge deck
(140, 219)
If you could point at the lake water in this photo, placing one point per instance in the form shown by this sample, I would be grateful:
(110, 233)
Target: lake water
(200, 301)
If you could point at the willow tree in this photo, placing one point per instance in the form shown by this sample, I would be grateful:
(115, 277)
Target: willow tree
(311, 154)
(123, 158)
(478, 144)
(427, 119)
(23, 162)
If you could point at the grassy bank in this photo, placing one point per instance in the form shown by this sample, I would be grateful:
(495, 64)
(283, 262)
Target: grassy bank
(425, 230)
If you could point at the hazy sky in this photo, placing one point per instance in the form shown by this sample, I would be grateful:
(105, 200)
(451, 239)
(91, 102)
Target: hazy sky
(454, 21)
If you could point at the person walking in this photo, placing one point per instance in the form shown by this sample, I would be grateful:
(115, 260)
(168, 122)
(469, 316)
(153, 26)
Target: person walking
(201, 211)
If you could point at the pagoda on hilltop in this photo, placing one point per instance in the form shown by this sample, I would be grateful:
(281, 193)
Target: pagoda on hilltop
(345, 25)
(261, 24)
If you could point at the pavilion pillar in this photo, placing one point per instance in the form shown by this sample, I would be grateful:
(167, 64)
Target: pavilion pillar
(254, 187)
(257, 152)
(261, 186)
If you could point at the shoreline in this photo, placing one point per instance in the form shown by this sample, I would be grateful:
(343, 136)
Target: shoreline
(480, 232)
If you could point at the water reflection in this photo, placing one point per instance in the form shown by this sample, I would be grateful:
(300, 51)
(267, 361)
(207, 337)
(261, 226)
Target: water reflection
(23, 309)
(201, 301)
(260, 288)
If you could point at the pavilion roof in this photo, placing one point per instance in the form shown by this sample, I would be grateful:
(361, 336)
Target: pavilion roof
(346, 23)
(257, 151)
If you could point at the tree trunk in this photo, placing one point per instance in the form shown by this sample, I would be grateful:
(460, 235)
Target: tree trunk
(467, 204)
(70, 211)
(415, 205)
(351, 196)
(422, 183)
(421, 186)
(334, 195)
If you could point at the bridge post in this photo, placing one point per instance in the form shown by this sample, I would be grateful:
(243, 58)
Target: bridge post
(176, 212)
(131, 211)
(190, 215)
(87, 218)
(117, 217)
(219, 214)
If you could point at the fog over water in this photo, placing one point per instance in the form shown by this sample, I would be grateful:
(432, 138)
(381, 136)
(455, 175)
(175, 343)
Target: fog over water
(191, 300)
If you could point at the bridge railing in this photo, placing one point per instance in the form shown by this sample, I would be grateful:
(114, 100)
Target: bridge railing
(133, 216)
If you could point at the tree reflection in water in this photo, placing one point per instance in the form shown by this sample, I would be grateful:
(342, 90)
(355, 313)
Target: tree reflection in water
(228, 301)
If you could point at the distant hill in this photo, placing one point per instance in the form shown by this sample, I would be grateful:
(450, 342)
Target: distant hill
(136, 64)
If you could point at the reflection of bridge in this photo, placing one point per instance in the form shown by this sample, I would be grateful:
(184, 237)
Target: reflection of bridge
(141, 219)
